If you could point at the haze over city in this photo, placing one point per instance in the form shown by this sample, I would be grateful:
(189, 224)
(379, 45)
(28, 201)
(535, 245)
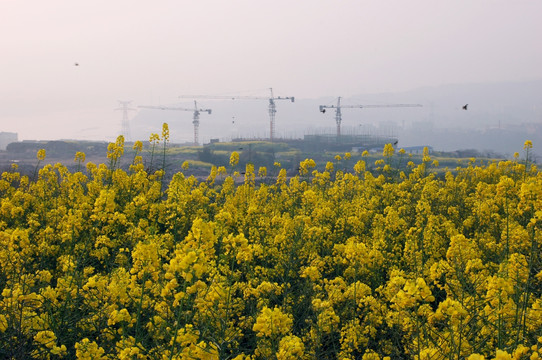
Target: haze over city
(65, 64)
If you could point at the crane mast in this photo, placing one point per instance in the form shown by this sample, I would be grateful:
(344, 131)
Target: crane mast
(272, 110)
(338, 107)
(195, 116)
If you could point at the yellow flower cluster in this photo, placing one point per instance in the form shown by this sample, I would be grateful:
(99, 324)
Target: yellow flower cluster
(335, 262)
(234, 159)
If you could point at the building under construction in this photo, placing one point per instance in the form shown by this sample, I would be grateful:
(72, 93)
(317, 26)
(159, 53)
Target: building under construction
(351, 139)
(354, 139)
(347, 142)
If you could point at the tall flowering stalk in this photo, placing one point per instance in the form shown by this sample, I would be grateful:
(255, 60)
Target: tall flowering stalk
(153, 140)
(115, 151)
(234, 160)
(165, 140)
(79, 159)
(40, 155)
(527, 146)
(137, 162)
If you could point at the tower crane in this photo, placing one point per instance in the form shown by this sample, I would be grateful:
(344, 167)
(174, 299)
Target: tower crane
(195, 116)
(338, 108)
(125, 126)
(272, 106)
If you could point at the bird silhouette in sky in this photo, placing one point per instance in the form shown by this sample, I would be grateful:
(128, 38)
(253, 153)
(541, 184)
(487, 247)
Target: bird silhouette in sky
(76, 64)
(465, 106)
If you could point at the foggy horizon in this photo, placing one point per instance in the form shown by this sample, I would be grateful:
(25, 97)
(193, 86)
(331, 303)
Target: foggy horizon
(65, 65)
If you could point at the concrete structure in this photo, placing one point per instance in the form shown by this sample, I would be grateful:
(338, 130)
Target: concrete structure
(7, 138)
(352, 142)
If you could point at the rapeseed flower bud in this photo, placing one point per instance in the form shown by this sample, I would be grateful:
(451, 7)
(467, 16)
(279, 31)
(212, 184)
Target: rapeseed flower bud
(272, 323)
(234, 159)
(370, 355)
(426, 157)
(86, 350)
(41, 154)
(154, 138)
(359, 167)
(117, 316)
(138, 146)
(306, 165)
(311, 272)
(47, 338)
(165, 132)
(249, 174)
(290, 348)
(116, 149)
(388, 150)
(428, 354)
(3, 323)
(476, 357)
(502, 355)
(352, 338)
(281, 178)
(79, 157)
(328, 320)
(120, 142)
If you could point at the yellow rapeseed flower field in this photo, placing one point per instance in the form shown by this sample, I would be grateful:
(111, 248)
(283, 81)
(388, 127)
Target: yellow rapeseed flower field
(336, 263)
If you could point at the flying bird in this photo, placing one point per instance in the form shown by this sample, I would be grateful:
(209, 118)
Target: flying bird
(76, 64)
(465, 106)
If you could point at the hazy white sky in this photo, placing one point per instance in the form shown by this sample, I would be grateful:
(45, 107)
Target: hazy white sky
(152, 52)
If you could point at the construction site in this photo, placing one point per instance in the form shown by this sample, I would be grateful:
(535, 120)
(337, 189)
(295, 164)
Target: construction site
(339, 139)
(320, 144)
